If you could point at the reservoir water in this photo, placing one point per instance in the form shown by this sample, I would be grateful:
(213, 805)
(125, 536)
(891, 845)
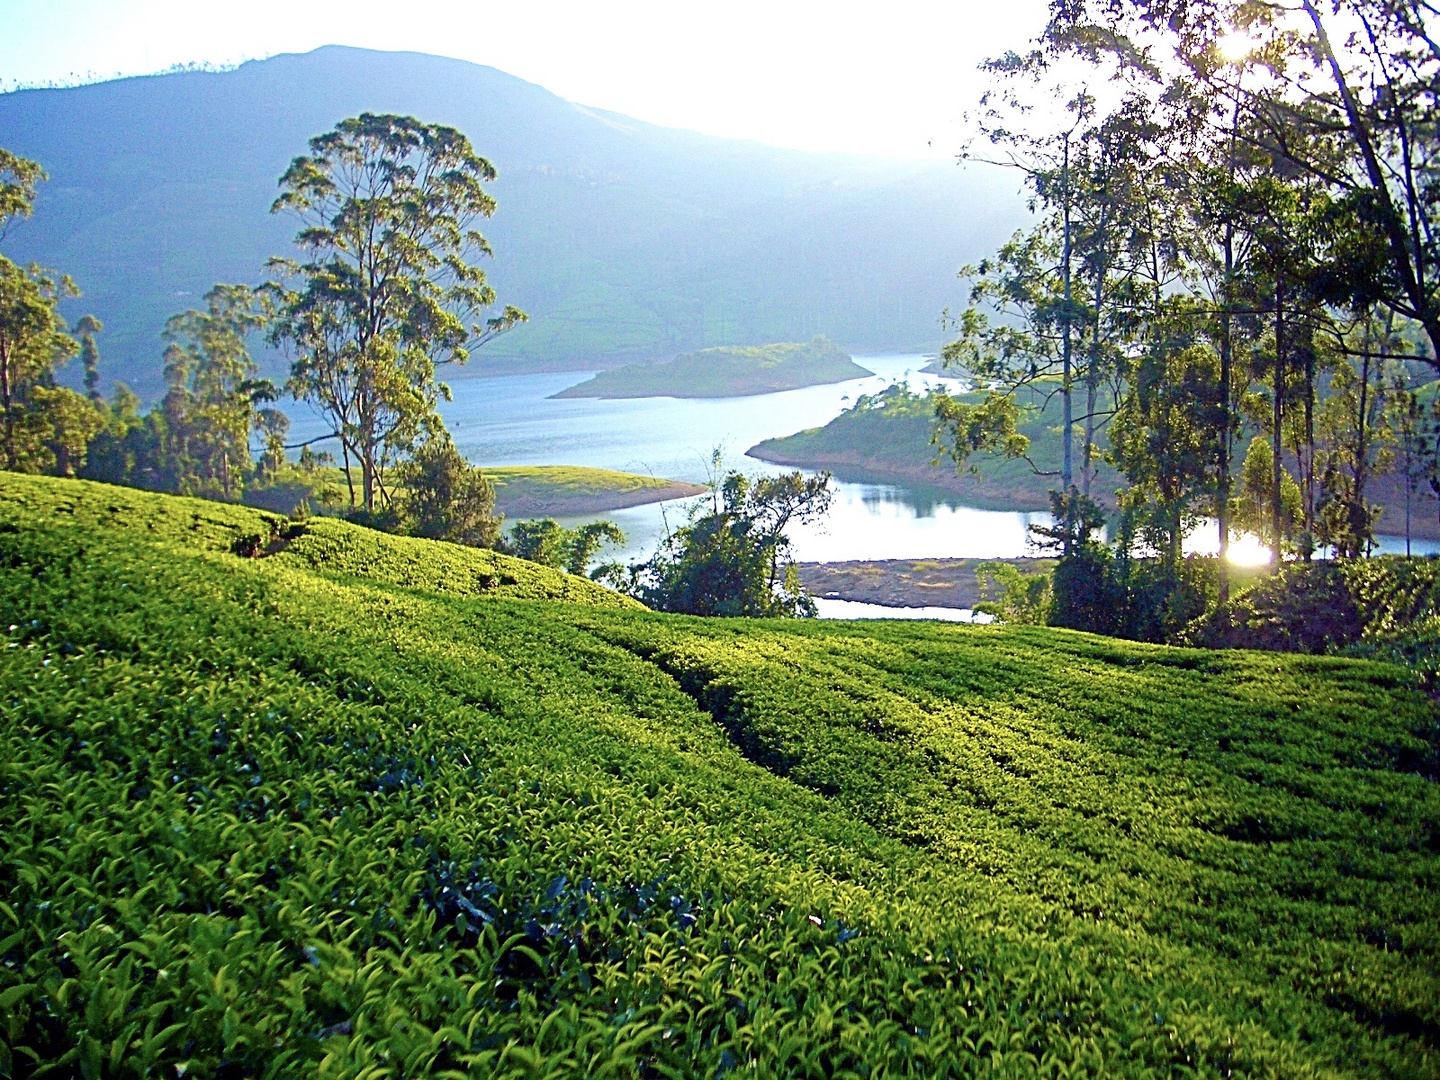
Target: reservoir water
(512, 420)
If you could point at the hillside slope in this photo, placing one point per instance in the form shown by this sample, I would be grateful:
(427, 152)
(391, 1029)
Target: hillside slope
(304, 813)
(621, 239)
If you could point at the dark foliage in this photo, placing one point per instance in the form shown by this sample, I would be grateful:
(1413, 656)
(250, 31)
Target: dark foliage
(733, 559)
(447, 498)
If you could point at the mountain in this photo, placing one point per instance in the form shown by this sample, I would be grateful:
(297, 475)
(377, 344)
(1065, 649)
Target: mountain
(623, 240)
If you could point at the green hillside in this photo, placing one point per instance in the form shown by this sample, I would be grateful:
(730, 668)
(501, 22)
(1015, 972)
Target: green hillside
(726, 372)
(297, 798)
(886, 437)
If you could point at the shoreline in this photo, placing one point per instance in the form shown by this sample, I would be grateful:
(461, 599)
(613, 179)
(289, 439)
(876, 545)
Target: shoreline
(906, 583)
(529, 506)
(977, 491)
(750, 390)
(1384, 490)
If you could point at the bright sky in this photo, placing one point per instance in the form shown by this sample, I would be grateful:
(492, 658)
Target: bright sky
(888, 78)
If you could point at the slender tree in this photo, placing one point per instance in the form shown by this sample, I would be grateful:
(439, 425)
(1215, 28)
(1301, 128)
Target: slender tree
(211, 406)
(387, 289)
(86, 327)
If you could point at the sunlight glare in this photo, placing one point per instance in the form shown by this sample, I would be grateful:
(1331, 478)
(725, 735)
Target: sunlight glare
(1236, 46)
(1247, 550)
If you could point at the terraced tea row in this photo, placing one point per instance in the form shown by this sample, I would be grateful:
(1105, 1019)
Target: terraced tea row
(353, 808)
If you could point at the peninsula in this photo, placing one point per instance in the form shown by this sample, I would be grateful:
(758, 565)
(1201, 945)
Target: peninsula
(521, 491)
(886, 438)
(569, 490)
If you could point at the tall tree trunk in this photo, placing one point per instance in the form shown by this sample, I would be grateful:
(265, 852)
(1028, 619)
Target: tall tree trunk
(1092, 382)
(1309, 453)
(7, 401)
(365, 415)
(1357, 515)
(1277, 443)
(1409, 488)
(1222, 484)
(1067, 478)
(1087, 455)
(349, 475)
(1067, 416)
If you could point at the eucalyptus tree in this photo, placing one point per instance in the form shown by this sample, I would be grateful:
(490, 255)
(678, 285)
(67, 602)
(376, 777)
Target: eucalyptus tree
(1115, 170)
(86, 327)
(1349, 101)
(43, 427)
(387, 289)
(1020, 325)
(1060, 306)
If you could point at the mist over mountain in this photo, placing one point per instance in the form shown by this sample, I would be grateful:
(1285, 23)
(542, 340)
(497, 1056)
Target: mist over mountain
(623, 240)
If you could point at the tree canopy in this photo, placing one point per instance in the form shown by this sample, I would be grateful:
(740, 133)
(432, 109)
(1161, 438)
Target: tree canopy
(387, 289)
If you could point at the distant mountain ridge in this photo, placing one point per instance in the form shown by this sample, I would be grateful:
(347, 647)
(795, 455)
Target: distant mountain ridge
(623, 240)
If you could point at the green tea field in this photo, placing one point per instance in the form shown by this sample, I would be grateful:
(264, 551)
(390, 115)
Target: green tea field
(301, 799)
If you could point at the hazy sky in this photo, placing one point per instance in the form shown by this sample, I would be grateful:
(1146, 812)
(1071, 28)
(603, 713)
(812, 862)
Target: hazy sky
(879, 77)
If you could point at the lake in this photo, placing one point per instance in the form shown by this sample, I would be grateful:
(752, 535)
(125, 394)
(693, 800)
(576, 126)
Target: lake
(511, 420)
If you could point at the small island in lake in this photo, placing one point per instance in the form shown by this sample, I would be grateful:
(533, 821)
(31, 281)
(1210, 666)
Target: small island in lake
(726, 371)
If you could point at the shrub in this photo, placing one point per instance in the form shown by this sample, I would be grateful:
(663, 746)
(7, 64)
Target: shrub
(447, 498)
(1085, 594)
(733, 559)
(549, 543)
(1024, 598)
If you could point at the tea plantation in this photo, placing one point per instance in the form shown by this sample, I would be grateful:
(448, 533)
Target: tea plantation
(294, 798)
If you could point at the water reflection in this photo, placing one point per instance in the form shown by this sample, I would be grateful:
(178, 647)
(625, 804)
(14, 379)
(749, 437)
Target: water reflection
(866, 521)
(513, 420)
(855, 609)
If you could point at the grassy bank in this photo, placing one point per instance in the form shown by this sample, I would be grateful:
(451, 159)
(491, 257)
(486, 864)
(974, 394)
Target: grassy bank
(520, 490)
(345, 803)
(568, 490)
(728, 371)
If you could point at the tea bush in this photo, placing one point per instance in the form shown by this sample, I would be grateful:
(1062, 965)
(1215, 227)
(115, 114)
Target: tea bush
(358, 807)
(1386, 608)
